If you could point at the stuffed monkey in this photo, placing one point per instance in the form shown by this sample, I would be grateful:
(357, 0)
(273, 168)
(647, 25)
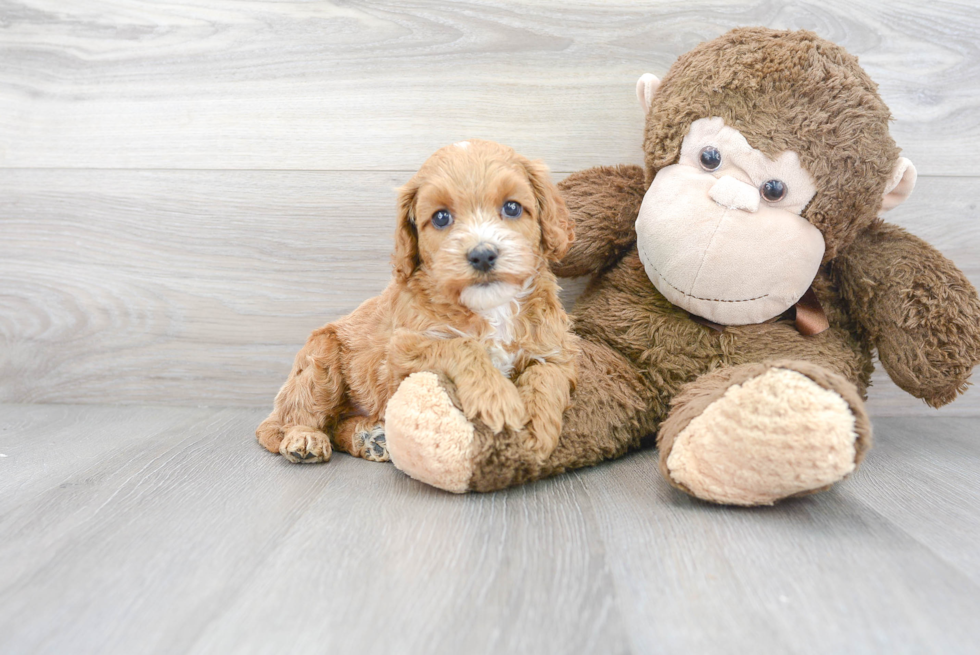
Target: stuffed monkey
(740, 283)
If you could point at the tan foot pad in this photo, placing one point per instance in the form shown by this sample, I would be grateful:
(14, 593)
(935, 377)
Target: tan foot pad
(772, 436)
(428, 437)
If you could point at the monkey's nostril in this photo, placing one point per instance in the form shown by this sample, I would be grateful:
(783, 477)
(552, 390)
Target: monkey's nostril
(482, 258)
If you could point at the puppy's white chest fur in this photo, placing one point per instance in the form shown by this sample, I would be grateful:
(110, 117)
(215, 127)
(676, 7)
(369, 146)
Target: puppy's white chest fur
(501, 320)
(498, 304)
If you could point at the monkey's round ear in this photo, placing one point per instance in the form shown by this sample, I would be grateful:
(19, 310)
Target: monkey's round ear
(900, 185)
(405, 258)
(646, 86)
(557, 231)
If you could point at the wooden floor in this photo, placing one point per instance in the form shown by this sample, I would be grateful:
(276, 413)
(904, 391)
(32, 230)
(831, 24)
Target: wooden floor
(167, 530)
(189, 187)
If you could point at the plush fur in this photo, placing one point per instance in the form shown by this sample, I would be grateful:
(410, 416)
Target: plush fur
(648, 368)
(499, 332)
(786, 91)
(754, 424)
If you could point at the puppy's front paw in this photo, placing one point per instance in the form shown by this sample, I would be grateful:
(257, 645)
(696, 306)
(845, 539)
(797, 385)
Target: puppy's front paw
(497, 404)
(305, 445)
(371, 444)
(541, 438)
(543, 426)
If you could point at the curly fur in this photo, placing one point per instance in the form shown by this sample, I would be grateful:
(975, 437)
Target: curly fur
(919, 310)
(644, 361)
(501, 335)
(786, 91)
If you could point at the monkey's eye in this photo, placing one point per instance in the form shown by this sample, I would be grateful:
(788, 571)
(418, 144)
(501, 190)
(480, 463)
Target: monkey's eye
(710, 158)
(442, 219)
(773, 190)
(512, 209)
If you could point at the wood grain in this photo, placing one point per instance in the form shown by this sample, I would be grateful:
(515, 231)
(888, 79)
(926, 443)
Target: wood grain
(179, 287)
(811, 576)
(198, 287)
(188, 188)
(188, 533)
(43, 441)
(922, 476)
(218, 84)
(170, 530)
(153, 516)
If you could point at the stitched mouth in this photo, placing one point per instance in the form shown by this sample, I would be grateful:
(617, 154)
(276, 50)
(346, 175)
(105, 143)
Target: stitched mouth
(690, 295)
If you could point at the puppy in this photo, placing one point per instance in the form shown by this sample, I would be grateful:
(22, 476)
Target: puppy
(471, 297)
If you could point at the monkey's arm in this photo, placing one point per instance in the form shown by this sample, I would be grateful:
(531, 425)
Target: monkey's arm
(920, 311)
(603, 203)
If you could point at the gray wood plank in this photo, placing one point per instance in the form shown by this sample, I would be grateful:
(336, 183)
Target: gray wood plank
(194, 539)
(44, 446)
(179, 287)
(198, 287)
(320, 86)
(138, 553)
(924, 477)
(189, 538)
(405, 568)
(823, 574)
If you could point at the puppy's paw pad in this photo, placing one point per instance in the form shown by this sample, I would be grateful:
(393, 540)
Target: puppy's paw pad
(302, 445)
(372, 444)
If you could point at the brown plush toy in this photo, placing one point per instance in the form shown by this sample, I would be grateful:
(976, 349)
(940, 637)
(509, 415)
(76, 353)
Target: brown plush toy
(740, 284)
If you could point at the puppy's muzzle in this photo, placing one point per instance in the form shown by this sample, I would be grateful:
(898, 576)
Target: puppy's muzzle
(483, 257)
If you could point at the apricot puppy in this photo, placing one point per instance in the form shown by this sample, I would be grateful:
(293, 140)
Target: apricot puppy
(471, 297)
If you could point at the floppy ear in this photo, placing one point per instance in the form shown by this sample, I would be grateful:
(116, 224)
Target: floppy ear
(405, 258)
(557, 231)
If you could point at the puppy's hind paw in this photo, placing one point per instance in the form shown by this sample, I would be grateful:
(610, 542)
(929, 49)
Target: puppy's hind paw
(305, 445)
(372, 444)
(269, 434)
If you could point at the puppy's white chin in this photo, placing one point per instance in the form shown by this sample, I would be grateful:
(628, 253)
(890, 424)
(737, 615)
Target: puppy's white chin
(483, 297)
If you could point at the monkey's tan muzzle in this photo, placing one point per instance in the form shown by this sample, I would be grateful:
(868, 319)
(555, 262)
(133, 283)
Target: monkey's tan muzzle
(713, 250)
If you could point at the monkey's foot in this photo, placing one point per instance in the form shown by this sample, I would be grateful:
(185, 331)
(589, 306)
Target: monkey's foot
(428, 437)
(758, 433)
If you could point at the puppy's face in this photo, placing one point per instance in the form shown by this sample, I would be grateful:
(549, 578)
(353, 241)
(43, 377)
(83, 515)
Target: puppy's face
(479, 219)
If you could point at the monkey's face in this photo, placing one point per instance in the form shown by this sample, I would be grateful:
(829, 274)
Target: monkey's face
(720, 232)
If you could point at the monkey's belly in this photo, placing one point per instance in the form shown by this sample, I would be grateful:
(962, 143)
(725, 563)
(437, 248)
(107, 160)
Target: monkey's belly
(670, 349)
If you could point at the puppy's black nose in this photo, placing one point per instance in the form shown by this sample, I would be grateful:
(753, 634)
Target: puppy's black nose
(482, 258)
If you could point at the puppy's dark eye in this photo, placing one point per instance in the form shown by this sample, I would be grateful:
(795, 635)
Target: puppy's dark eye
(710, 158)
(512, 209)
(773, 190)
(442, 219)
